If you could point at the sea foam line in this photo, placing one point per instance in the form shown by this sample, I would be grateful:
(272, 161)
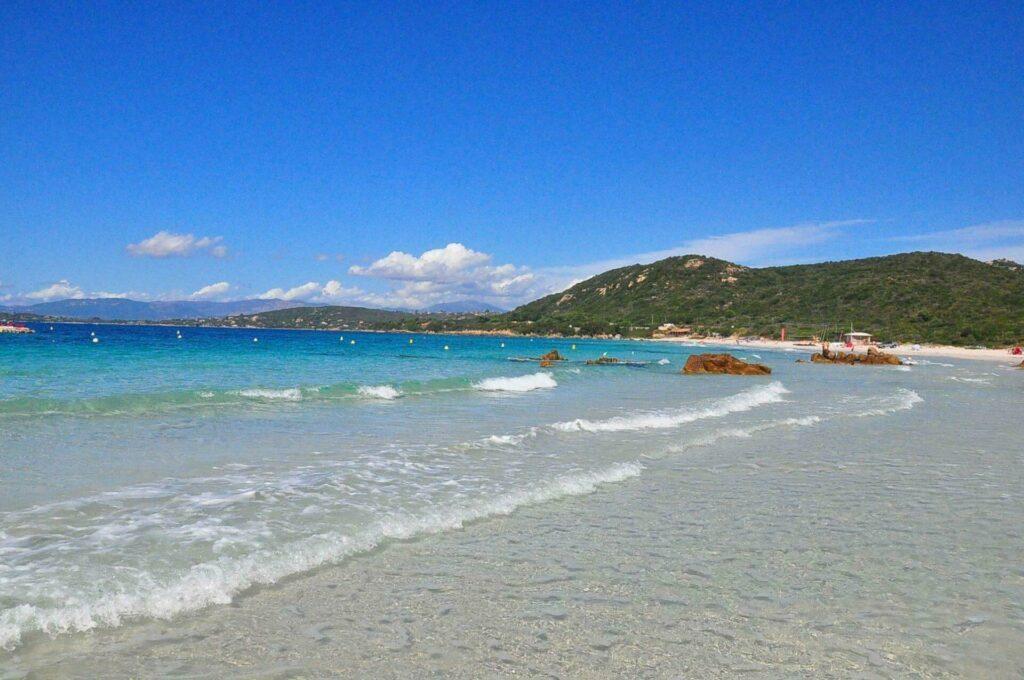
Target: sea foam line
(218, 582)
(743, 401)
(290, 394)
(522, 383)
(386, 392)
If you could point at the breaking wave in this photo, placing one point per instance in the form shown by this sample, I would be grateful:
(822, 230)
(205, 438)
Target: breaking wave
(220, 580)
(744, 401)
(291, 394)
(522, 383)
(386, 392)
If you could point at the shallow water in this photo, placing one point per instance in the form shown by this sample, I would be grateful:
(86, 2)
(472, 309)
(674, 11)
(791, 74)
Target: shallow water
(393, 509)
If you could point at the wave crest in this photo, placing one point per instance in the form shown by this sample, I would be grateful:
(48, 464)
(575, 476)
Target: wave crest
(522, 383)
(217, 582)
(744, 401)
(386, 392)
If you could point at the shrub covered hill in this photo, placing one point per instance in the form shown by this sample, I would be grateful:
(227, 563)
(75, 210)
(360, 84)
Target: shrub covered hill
(924, 297)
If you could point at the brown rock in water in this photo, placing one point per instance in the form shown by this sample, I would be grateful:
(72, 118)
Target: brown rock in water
(553, 355)
(720, 364)
(873, 357)
(602, 361)
(545, 363)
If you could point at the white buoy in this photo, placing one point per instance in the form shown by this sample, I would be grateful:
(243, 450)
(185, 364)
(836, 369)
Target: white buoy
(574, 346)
(446, 348)
(341, 339)
(410, 341)
(95, 339)
(92, 333)
(503, 345)
(255, 339)
(351, 342)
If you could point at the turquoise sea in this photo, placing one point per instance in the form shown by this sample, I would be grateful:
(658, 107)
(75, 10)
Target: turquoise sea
(259, 503)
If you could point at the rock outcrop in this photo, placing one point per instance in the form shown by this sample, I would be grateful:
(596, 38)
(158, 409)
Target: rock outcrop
(873, 357)
(603, 361)
(553, 355)
(722, 364)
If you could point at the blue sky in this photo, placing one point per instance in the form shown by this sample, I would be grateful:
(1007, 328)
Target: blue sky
(408, 153)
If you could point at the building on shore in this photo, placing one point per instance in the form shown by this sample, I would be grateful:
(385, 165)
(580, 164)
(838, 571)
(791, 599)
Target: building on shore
(857, 338)
(6, 327)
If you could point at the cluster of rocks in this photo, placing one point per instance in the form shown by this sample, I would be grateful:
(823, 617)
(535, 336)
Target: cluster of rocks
(603, 361)
(722, 364)
(873, 357)
(548, 359)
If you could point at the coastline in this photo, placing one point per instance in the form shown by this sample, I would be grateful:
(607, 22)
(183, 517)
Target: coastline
(903, 350)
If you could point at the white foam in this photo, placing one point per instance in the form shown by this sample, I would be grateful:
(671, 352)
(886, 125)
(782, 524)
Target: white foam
(926, 362)
(745, 433)
(291, 394)
(379, 392)
(983, 381)
(504, 439)
(744, 401)
(218, 581)
(522, 383)
(664, 362)
(902, 400)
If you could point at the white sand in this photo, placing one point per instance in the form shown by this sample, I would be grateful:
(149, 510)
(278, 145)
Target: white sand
(944, 351)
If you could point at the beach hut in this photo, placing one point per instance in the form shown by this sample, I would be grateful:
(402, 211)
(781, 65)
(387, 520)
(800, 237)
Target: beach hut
(857, 338)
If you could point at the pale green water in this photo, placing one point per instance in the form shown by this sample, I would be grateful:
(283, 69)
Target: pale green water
(828, 521)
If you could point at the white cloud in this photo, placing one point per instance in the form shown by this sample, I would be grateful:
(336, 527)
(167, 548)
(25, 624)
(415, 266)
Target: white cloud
(988, 241)
(334, 290)
(302, 292)
(213, 291)
(167, 244)
(61, 290)
(756, 247)
(445, 274)
(433, 265)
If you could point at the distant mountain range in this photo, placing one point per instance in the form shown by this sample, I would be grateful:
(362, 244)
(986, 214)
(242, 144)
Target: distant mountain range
(463, 307)
(123, 309)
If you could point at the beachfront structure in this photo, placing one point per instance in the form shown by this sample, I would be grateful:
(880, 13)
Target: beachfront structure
(671, 330)
(14, 328)
(857, 338)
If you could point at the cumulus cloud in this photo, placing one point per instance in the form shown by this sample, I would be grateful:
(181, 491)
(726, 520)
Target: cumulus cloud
(61, 290)
(444, 274)
(439, 264)
(167, 244)
(302, 292)
(212, 291)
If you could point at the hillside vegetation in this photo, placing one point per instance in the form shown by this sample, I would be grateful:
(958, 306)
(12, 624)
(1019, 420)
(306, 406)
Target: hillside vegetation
(334, 317)
(926, 297)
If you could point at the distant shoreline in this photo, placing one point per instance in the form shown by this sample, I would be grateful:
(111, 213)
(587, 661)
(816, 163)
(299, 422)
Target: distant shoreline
(905, 349)
(902, 350)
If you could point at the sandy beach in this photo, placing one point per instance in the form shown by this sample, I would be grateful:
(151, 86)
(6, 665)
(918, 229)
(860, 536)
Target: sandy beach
(904, 350)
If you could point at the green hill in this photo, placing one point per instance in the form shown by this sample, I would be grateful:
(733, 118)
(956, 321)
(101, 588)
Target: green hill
(926, 297)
